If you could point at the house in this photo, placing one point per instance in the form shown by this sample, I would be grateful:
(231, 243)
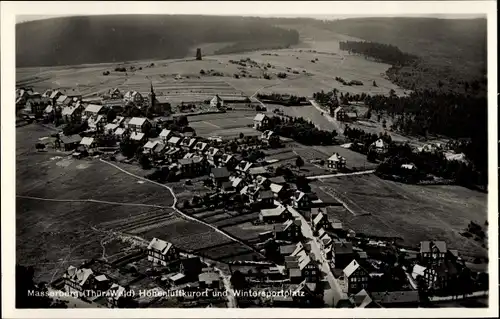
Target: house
(305, 296)
(115, 295)
(140, 125)
(356, 277)
(237, 182)
(192, 167)
(320, 221)
(379, 146)
(278, 190)
(302, 267)
(174, 141)
(63, 101)
(260, 121)
(161, 252)
(217, 102)
(324, 239)
(287, 250)
(227, 187)
(265, 198)
(336, 161)
(336, 225)
(134, 97)
(251, 191)
(165, 135)
(209, 280)
(266, 135)
(119, 120)
(110, 128)
(212, 153)
(78, 281)
(410, 167)
(228, 161)
(36, 106)
(341, 253)
(69, 143)
(219, 175)
(200, 147)
(262, 181)
(300, 200)
(161, 105)
(150, 146)
(88, 143)
(243, 167)
(188, 143)
(93, 110)
(121, 133)
(191, 267)
(289, 230)
(432, 252)
(72, 114)
(363, 300)
(138, 137)
(397, 299)
(342, 114)
(97, 124)
(101, 283)
(159, 150)
(259, 170)
(274, 215)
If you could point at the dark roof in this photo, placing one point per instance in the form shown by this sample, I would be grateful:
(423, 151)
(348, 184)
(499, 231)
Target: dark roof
(192, 264)
(278, 180)
(71, 139)
(219, 172)
(266, 194)
(227, 185)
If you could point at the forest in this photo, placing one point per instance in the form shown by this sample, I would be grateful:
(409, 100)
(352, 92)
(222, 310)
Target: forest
(108, 38)
(301, 130)
(384, 53)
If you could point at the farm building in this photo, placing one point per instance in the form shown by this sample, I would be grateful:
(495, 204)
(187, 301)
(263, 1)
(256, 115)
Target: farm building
(161, 252)
(219, 175)
(71, 142)
(260, 121)
(356, 276)
(139, 124)
(217, 102)
(336, 161)
(289, 230)
(272, 215)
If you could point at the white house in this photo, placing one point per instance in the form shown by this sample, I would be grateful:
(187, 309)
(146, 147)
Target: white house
(161, 252)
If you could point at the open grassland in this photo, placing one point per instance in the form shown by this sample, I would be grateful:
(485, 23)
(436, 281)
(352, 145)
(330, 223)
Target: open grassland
(66, 209)
(413, 213)
(226, 125)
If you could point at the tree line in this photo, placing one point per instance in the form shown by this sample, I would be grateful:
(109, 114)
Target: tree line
(385, 53)
(301, 130)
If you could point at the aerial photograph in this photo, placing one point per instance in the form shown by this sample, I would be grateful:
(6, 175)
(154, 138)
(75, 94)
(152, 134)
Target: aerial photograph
(216, 161)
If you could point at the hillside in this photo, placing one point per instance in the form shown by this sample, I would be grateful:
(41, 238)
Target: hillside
(99, 39)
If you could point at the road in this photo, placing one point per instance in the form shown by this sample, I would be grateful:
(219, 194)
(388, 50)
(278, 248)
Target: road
(330, 119)
(341, 174)
(334, 293)
(183, 215)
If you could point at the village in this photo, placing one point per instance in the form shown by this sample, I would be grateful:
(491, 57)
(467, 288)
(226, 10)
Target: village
(319, 259)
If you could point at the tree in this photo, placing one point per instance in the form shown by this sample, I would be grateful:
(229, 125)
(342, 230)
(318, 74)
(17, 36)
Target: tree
(24, 284)
(242, 135)
(299, 162)
(198, 54)
(238, 281)
(110, 117)
(145, 162)
(374, 83)
(127, 148)
(182, 120)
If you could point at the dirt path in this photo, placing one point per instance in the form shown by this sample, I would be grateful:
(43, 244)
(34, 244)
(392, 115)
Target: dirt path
(89, 201)
(183, 215)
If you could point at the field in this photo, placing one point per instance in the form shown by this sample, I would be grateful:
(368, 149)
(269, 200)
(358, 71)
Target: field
(413, 213)
(68, 210)
(226, 125)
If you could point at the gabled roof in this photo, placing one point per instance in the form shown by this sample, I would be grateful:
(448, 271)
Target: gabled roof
(138, 121)
(62, 98)
(426, 246)
(110, 126)
(418, 271)
(278, 180)
(219, 172)
(120, 131)
(201, 146)
(257, 170)
(336, 158)
(273, 211)
(216, 99)
(71, 139)
(151, 144)
(115, 292)
(351, 268)
(266, 194)
(87, 141)
(379, 143)
(299, 195)
(165, 133)
(136, 136)
(287, 249)
(275, 188)
(212, 151)
(319, 218)
(342, 246)
(160, 245)
(48, 109)
(94, 108)
(259, 117)
(236, 181)
(54, 94)
(244, 166)
(174, 140)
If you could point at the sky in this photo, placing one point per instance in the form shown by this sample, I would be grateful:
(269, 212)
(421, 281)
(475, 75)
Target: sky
(25, 18)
